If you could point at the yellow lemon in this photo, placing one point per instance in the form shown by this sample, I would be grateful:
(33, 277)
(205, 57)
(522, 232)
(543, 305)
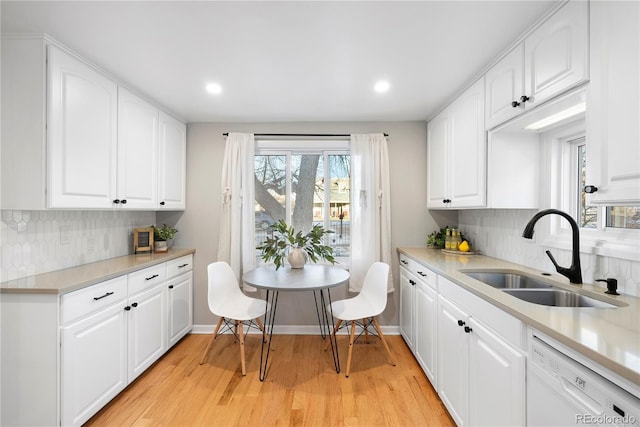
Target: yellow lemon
(464, 246)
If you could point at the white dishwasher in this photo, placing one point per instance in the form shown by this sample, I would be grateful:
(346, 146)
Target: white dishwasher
(563, 392)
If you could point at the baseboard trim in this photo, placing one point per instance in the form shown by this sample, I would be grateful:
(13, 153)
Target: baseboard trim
(294, 330)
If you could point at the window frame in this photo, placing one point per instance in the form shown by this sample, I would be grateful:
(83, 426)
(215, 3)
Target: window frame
(622, 243)
(290, 147)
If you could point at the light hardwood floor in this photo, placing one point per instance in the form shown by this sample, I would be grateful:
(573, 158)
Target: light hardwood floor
(301, 388)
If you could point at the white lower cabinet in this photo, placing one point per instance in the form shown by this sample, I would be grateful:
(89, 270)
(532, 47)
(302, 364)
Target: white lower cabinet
(426, 314)
(93, 363)
(481, 378)
(472, 352)
(147, 330)
(407, 307)
(180, 307)
(453, 357)
(79, 350)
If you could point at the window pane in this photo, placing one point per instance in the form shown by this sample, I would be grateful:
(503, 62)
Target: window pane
(270, 172)
(623, 217)
(339, 204)
(587, 215)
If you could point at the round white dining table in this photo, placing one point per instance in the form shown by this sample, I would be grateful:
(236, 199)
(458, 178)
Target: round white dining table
(319, 278)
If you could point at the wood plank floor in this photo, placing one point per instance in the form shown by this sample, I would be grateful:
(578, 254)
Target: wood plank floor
(301, 388)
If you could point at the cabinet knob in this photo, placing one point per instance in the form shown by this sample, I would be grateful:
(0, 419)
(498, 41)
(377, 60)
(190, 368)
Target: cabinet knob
(127, 308)
(590, 189)
(412, 282)
(524, 98)
(467, 329)
(161, 203)
(446, 200)
(170, 286)
(460, 323)
(116, 201)
(514, 104)
(134, 305)
(123, 201)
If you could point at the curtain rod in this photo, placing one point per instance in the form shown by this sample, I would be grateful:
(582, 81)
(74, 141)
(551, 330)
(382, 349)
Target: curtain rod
(304, 134)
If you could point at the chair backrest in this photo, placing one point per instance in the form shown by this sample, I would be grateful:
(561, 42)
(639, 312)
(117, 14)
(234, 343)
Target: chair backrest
(374, 287)
(223, 286)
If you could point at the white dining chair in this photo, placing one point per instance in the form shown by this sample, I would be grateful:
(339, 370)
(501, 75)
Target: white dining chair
(363, 309)
(234, 307)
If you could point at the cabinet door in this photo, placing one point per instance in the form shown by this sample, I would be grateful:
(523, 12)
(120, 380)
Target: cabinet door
(407, 307)
(453, 361)
(426, 329)
(555, 54)
(137, 152)
(93, 364)
(437, 143)
(614, 104)
(468, 150)
(180, 307)
(496, 380)
(173, 164)
(81, 134)
(147, 329)
(504, 84)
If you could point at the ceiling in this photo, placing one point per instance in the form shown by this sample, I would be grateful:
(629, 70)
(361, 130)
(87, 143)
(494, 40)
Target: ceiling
(285, 61)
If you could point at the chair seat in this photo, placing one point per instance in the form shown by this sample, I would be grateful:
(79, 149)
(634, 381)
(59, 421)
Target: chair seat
(354, 309)
(246, 308)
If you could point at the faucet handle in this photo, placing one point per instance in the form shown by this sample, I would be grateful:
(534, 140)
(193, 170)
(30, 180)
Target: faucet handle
(612, 286)
(553, 261)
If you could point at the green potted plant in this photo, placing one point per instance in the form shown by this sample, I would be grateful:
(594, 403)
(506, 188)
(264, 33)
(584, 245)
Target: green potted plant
(161, 235)
(297, 247)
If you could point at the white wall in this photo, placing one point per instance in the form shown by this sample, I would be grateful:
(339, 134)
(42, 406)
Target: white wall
(198, 225)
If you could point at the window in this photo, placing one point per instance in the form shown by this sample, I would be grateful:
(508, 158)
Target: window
(305, 183)
(594, 217)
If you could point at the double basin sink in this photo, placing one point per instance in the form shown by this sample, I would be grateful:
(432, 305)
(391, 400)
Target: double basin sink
(535, 290)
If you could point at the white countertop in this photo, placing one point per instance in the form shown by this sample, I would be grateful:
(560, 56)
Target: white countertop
(74, 278)
(608, 336)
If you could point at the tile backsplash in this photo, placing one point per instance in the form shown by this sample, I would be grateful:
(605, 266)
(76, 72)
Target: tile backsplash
(34, 242)
(498, 233)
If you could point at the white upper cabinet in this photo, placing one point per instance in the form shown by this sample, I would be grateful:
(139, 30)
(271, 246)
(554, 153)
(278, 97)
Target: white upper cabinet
(173, 164)
(456, 149)
(81, 133)
(137, 152)
(550, 60)
(504, 84)
(73, 139)
(613, 134)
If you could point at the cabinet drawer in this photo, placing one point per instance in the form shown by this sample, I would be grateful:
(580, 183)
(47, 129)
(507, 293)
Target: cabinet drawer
(92, 299)
(147, 278)
(179, 265)
(420, 271)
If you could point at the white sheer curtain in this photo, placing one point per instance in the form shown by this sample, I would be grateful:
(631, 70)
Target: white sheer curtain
(237, 222)
(370, 210)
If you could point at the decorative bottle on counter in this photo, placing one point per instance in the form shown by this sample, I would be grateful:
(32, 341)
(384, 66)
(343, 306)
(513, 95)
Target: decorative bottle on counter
(447, 239)
(455, 239)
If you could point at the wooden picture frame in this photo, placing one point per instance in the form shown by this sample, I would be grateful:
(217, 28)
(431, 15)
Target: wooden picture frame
(142, 240)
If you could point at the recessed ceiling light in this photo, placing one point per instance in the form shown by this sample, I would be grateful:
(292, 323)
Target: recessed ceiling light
(214, 88)
(381, 86)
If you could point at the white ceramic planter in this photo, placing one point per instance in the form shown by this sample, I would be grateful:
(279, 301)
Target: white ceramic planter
(297, 258)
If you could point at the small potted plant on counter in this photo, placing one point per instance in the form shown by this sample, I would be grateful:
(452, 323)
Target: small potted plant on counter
(161, 236)
(298, 248)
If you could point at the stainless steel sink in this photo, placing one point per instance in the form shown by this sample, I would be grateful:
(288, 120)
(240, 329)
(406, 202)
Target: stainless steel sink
(557, 298)
(507, 280)
(535, 290)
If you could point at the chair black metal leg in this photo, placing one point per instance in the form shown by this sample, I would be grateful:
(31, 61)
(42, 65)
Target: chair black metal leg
(269, 321)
